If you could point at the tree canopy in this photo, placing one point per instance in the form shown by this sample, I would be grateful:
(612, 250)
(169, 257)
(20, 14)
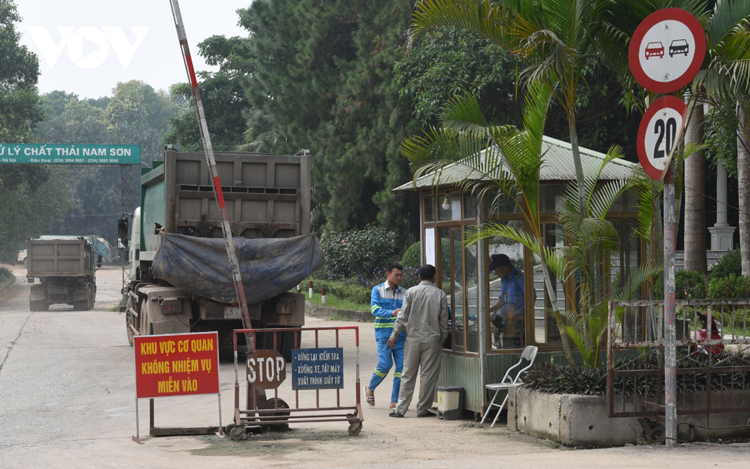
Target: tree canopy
(33, 197)
(135, 114)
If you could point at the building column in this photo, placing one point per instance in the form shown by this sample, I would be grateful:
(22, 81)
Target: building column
(722, 235)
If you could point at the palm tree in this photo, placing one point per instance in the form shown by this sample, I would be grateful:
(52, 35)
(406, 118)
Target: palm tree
(483, 158)
(556, 39)
(725, 81)
(553, 38)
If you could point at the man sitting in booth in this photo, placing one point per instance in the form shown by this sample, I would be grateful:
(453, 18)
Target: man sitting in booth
(507, 315)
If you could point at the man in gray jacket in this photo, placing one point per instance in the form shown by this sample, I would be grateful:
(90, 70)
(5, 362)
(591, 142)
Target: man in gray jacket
(425, 308)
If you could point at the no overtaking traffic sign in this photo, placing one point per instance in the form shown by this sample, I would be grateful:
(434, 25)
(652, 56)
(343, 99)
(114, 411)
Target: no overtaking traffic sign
(667, 50)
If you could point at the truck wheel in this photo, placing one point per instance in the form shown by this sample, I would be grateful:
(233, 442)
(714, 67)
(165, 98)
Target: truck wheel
(82, 305)
(40, 305)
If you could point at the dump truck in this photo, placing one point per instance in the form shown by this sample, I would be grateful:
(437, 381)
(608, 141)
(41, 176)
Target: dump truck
(66, 269)
(180, 279)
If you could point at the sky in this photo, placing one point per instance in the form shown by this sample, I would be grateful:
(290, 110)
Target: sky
(87, 46)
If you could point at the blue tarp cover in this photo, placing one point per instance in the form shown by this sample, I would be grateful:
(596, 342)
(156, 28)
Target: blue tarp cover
(268, 266)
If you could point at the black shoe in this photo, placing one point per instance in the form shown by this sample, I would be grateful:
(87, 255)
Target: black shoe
(427, 413)
(395, 414)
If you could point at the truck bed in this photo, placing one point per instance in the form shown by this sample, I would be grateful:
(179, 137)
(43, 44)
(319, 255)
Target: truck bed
(59, 258)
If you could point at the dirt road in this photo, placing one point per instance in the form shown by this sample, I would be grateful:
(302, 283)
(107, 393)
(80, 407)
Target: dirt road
(67, 401)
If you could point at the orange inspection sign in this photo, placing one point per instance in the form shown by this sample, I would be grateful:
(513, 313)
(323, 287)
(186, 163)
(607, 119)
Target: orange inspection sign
(176, 365)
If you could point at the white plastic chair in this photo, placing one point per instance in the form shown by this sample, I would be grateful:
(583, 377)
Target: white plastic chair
(529, 354)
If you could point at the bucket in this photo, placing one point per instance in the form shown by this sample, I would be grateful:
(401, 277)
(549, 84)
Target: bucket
(450, 402)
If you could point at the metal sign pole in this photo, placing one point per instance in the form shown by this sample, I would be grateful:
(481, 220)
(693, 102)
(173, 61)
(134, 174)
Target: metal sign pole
(670, 351)
(211, 162)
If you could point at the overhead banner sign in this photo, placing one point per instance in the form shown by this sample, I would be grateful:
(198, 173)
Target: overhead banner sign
(176, 365)
(40, 153)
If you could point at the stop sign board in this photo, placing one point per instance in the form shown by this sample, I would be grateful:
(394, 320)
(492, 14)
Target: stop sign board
(659, 133)
(667, 50)
(266, 369)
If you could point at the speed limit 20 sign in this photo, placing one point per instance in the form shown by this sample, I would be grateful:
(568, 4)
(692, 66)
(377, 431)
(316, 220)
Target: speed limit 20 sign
(659, 133)
(667, 50)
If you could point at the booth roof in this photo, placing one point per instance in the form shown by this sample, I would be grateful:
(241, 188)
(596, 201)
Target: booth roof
(557, 166)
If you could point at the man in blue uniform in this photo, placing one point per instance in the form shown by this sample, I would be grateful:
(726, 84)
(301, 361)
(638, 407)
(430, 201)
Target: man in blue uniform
(507, 315)
(386, 300)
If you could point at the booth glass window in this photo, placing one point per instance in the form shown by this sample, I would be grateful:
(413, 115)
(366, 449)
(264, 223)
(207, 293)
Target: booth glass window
(470, 206)
(458, 276)
(460, 283)
(500, 204)
(507, 324)
(445, 260)
(449, 208)
(429, 209)
(471, 278)
(545, 325)
(456, 298)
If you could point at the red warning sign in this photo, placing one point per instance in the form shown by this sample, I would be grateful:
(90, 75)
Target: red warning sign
(176, 365)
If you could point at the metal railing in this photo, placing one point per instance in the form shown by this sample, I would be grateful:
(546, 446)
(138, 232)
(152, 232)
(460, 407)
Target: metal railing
(276, 412)
(713, 357)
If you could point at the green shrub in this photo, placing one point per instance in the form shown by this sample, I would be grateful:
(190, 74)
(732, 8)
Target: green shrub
(5, 274)
(559, 379)
(689, 284)
(562, 379)
(413, 256)
(360, 294)
(358, 253)
(731, 286)
(731, 263)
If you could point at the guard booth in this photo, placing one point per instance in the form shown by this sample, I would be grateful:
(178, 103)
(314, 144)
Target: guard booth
(470, 359)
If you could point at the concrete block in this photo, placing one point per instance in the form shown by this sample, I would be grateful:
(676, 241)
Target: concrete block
(584, 422)
(512, 409)
(538, 415)
(577, 420)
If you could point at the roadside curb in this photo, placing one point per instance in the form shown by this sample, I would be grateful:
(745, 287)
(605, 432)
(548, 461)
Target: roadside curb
(4, 285)
(325, 312)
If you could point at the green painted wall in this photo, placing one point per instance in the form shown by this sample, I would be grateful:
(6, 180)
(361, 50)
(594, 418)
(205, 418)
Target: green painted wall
(457, 370)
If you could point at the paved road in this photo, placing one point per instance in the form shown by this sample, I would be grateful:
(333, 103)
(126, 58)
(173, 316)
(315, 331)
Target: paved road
(67, 401)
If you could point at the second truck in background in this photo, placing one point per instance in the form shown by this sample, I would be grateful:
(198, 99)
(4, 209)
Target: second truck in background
(66, 269)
